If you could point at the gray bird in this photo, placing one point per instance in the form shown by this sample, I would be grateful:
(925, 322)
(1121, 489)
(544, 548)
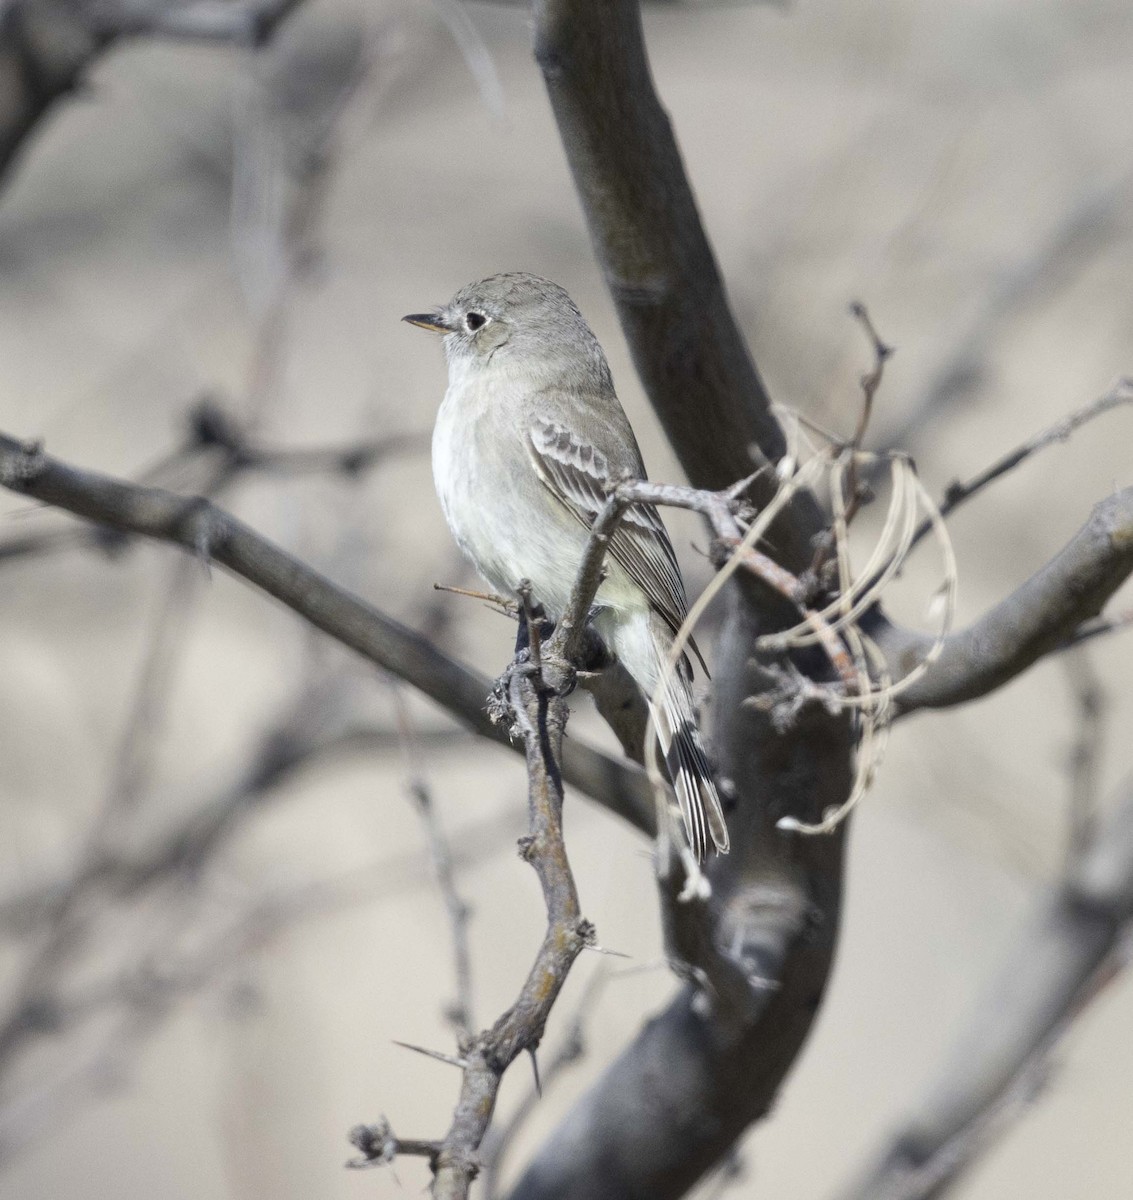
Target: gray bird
(529, 439)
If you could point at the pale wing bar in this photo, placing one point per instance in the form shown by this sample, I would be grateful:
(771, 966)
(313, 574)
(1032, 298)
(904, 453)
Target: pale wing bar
(579, 476)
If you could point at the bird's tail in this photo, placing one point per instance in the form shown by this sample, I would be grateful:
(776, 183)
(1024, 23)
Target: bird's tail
(681, 744)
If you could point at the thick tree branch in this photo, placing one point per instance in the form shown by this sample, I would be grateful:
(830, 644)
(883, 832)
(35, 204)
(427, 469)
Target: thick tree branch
(1068, 949)
(215, 536)
(658, 263)
(1036, 618)
(698, 1074)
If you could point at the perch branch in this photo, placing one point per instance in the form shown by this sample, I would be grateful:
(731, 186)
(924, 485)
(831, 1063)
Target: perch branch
(540, 715)
(570, 1050)
(532, 701)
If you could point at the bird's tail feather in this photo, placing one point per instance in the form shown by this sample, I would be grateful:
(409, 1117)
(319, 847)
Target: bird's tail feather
(683, 749)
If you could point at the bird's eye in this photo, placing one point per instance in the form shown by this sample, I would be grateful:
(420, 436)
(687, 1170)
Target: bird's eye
(474, 321)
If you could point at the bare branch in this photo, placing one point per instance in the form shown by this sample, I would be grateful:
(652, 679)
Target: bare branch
(871, 380)
(378, 1146)
(572, 624)
(570, 1050)
(226, 450)
(1036, 618)
(134, 998)
(212, 426)
(1068, 950)
(958, 493)
(284, 751)
(208, 531)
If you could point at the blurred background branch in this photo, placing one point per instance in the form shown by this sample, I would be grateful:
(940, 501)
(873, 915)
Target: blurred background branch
(208, 249)
(1071, 948)
(48, 46)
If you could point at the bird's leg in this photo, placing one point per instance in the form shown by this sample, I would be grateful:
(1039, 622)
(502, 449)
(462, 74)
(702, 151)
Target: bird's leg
(531, 636)
(534, 627)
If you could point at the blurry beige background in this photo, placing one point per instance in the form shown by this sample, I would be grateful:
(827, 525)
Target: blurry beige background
(966, 169)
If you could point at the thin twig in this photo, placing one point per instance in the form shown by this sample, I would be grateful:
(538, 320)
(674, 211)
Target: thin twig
(958, 493)
(214, 427)
(871, 380)
(285, 750)
(855, 493)
(588, 579)
(378, 1146)
(504, 604)
(133, 998)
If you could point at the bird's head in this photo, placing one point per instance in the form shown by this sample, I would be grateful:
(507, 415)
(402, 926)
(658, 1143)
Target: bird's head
(515, 319)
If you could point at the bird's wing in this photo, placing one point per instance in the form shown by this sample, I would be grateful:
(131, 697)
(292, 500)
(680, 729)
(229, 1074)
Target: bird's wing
(579, 476)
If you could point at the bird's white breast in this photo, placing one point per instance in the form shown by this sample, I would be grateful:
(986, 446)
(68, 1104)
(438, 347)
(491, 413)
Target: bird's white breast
(498, 509)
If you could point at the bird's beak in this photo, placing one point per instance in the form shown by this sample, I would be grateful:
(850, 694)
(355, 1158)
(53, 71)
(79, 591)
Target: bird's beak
(431, 321)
